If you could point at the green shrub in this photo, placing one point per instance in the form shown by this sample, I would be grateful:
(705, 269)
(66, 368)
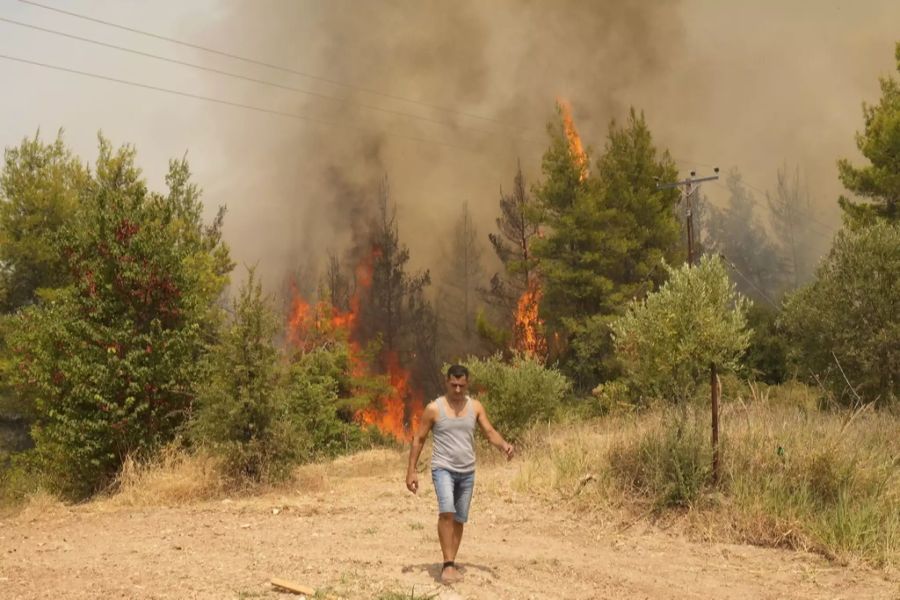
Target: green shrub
(667, 341)
(319, 401)
(766, 356)
(668, 463)
(111, 362)
(844, 326)
(241, 413)
(612, 396)
(519, 393)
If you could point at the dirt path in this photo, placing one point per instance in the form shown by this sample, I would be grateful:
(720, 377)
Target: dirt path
(353, 532)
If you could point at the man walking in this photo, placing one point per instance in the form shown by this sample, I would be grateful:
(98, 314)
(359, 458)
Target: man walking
(452, 419)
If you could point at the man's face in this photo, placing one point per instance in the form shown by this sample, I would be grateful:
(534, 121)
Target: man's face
(456, 387)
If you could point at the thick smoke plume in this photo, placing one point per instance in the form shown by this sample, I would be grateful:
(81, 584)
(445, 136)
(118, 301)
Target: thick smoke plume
(747, 87)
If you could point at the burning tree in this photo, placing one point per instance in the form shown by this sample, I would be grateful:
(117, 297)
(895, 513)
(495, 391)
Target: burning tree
(397, 313)
(513, 295)
(607, 234)
(387, 327)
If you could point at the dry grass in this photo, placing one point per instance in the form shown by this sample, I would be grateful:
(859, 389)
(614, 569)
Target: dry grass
(792, 475)
(174, 477)
(40, 505)
(177, 477)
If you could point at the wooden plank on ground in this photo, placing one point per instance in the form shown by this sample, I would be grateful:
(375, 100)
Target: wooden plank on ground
(290, 586)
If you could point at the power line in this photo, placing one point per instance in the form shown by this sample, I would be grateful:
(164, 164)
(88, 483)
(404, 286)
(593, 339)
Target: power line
(235, 75)
(267, 64)
(748, 280)
(220, 101)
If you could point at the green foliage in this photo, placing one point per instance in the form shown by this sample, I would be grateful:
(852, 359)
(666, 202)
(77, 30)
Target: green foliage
(263, 418)
(111, 363)
(880, 144)
(11, 404)
(519, 393)
(239, 413)
(766, 356)
(667, 341)
(607, 234)
(847, 318)
(590, 353)
(40, 187)
(19, 478)
(497, 338)
(670, 463)
(320, 400)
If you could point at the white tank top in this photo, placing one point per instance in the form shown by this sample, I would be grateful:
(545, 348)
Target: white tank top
(454, 439)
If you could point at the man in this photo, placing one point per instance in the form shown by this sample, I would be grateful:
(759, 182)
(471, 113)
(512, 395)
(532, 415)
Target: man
(452, 419)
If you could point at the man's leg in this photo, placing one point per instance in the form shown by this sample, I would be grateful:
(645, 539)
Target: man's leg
(443, 487)
(447, 534)
(464, 484)
(457, 537)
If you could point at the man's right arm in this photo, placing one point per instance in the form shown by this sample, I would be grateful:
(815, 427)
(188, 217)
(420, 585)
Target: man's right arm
(418, 441)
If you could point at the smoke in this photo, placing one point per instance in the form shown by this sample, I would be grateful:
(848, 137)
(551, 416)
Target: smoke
(484, 76)
(746, 87)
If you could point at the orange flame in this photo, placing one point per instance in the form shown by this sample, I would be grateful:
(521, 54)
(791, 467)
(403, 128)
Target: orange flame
(310, 326)
(390, 413)
(528, 337)
(575, 147)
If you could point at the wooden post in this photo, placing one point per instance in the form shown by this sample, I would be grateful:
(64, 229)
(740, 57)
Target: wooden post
(714, 394)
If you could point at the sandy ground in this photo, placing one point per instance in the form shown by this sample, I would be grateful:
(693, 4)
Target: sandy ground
(353, 531)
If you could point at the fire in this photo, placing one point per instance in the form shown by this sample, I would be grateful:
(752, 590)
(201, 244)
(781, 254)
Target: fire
(390, 416)
(575, 147)
(528, 336)
(310, 326)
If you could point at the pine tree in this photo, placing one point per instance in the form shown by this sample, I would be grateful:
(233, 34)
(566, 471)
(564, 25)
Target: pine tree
(395, 311)
(736, 233)
(459, 284)
(880, 144)
(788, 205)
(607, 236)
(239, 412)
(517, 228)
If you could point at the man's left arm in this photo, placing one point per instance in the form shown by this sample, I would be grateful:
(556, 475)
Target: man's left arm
(492, 434)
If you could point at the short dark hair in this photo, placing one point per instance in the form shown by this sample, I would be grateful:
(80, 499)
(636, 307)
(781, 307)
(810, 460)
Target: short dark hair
(457, 371)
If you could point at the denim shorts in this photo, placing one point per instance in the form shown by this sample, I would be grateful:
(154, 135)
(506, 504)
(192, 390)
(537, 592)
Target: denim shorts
(454, 492)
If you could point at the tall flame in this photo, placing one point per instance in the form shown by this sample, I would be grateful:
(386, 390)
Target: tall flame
(576, 149)
(310, 326)
(528, 336)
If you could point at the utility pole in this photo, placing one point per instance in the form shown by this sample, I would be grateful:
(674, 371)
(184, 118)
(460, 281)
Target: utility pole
(689, 187)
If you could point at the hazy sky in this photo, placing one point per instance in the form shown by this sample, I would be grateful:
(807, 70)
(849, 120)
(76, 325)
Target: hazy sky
(752, 85)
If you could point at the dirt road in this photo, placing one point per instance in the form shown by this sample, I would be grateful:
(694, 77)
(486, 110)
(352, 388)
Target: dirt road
(353, 531)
